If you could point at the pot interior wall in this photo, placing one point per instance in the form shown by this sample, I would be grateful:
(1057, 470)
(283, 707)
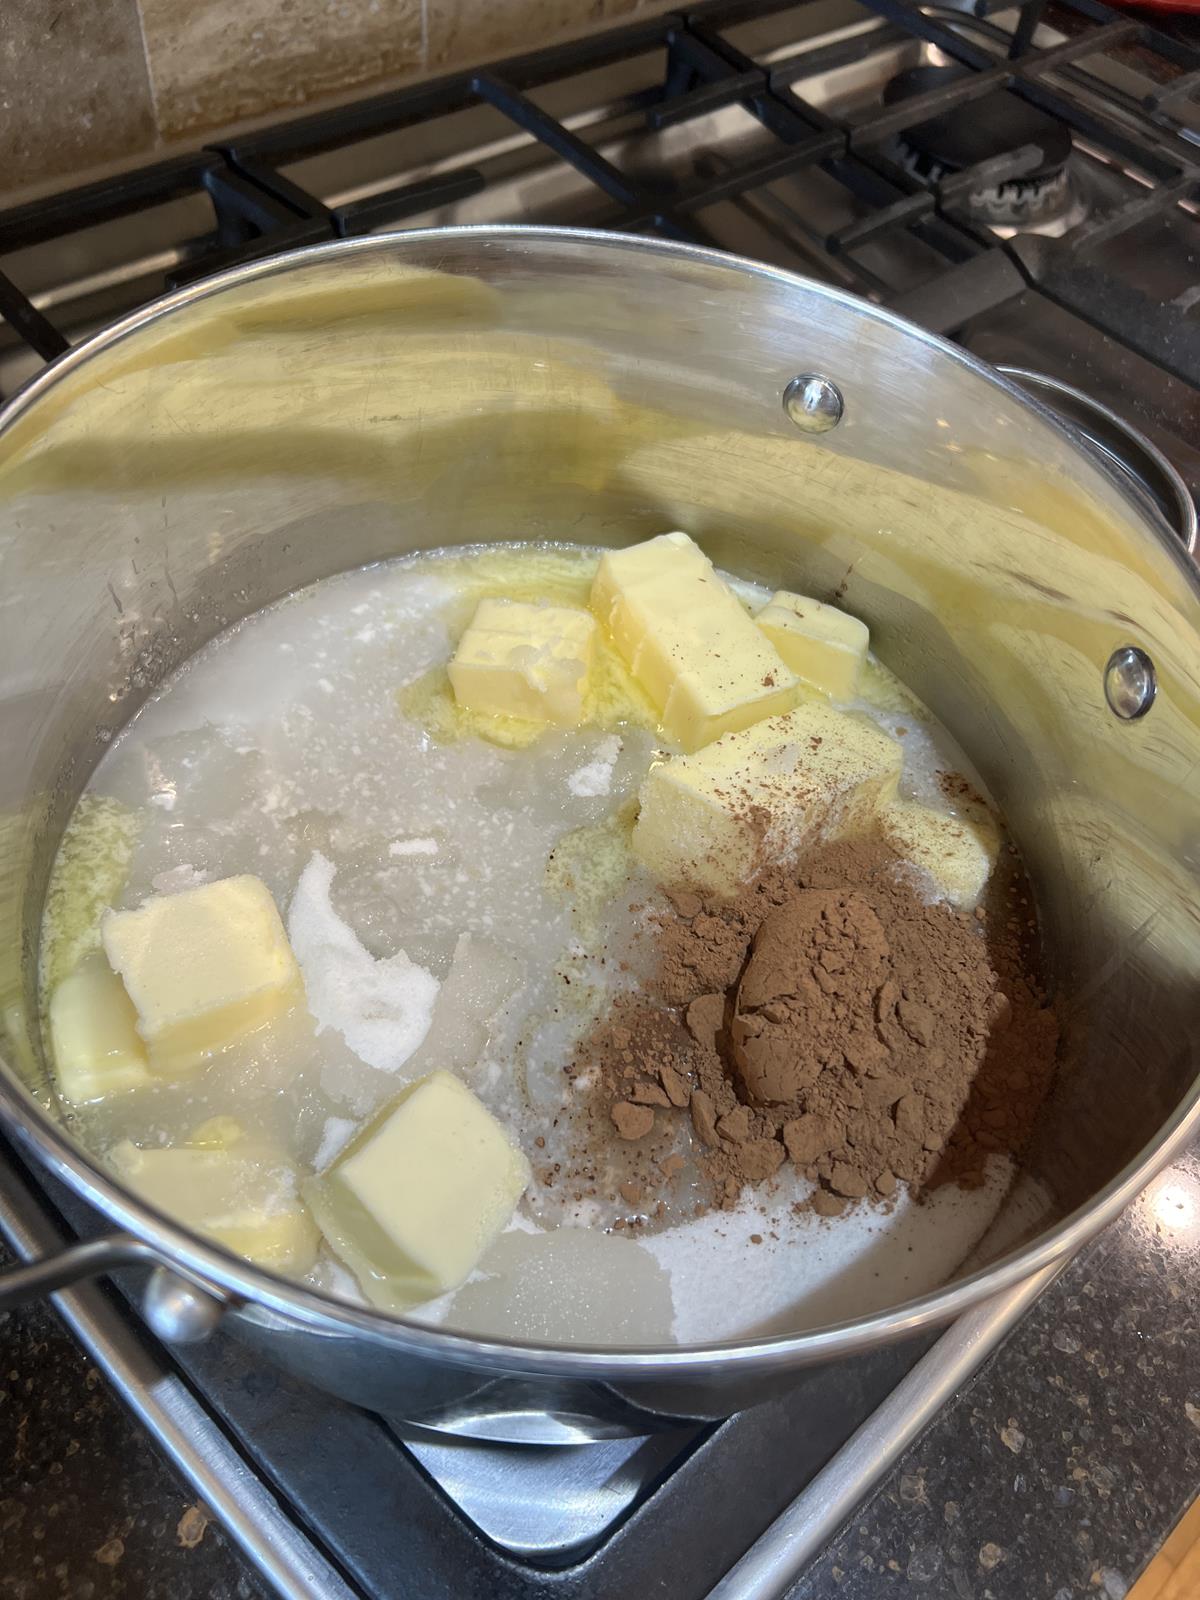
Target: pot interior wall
(443, 389)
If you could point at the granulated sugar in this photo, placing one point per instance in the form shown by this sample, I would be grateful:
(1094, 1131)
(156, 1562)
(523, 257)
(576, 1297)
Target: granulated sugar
(381, 1008)
(809, 1271)
(335, 1136)
(596, 777)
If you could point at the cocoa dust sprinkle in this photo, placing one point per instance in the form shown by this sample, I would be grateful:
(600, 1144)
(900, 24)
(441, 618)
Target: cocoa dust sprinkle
(830, 1018)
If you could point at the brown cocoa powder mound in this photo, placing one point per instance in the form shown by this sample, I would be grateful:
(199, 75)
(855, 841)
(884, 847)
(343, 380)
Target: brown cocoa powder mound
(828, 1015)
(809, 985)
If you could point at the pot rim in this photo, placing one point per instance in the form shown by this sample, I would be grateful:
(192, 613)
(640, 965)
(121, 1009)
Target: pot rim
(256, 1291)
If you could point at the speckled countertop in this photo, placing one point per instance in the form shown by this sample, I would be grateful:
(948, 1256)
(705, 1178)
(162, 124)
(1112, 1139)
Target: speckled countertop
(1055, 1474)
(1062, 1468)
(88, 1508)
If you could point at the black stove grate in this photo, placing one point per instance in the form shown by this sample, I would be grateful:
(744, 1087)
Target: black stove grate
(257, 209)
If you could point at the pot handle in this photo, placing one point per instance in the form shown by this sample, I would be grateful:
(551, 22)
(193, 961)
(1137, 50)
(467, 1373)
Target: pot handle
(176, 1309)
(71, 1265)
(1121, 445)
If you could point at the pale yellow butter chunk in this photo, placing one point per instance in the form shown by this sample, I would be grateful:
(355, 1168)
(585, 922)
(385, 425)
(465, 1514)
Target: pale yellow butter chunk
(689, 641)
(714, 819)
(202, 968)
(823, 646)
(529, 661)
(420, 1193)
(653, 558)
(240, 1193)
(93, 1035)
(650, 568)
(958, 854)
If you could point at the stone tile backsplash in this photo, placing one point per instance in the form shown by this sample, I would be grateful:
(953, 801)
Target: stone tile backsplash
(86, 83)
(74, 88)
(214, 62)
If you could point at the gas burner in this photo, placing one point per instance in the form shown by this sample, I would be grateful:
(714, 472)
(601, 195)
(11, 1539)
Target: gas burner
(979, 130)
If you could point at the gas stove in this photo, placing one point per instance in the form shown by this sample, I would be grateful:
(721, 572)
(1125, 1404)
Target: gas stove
(1024, 180)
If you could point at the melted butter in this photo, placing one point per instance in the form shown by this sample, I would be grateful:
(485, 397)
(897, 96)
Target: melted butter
(88, 875)
(532, 575)
(590, 865)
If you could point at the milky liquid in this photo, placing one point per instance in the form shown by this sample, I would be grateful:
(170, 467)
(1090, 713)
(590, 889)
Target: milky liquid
(282, 750)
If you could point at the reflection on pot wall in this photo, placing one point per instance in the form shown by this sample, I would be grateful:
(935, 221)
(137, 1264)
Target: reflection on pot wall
(86, 83)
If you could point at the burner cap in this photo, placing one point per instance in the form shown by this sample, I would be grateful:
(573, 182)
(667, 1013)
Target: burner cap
(978, 130)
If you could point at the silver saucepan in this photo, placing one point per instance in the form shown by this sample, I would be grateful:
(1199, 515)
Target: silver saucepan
(352, 402)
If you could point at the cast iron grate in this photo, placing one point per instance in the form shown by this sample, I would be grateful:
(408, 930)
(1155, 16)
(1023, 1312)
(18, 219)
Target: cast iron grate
(257, 209)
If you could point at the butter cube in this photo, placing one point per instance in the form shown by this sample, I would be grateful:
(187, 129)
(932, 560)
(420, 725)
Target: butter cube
(530, 661)
(619, 569)
(651, 568)
(419, 1195)
(688, 640)
(203, 967)
(822, 645)
(93, 1035)
(714, 819)
(243, 1194)
(958, 854)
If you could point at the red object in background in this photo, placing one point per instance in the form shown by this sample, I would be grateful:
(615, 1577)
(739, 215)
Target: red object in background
(1190, 8)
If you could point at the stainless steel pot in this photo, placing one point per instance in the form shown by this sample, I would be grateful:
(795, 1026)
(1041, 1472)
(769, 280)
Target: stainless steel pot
(351, 402)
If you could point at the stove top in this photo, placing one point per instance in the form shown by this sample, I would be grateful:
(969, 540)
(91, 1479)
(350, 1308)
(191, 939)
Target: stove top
(856, 141)
(758, 126)
(1034, 192)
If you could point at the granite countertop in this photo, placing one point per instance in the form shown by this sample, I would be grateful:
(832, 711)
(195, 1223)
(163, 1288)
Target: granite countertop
(1060, 1470)
(88, 1508)
(1055, 1474)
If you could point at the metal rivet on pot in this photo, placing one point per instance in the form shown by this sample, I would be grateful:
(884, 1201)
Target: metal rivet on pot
(1129, 682)
(177, 1311)
(813, 402)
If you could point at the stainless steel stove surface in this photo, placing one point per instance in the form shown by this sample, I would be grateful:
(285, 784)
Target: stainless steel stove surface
(1029, 185)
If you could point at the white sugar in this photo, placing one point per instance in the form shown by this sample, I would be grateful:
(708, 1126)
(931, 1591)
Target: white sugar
(809, 1271)
(381, 1008)
(335, 1136)
(596, 777)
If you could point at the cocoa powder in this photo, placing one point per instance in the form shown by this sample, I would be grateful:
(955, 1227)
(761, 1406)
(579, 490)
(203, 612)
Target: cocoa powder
(829, 1017)
(806, 995)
